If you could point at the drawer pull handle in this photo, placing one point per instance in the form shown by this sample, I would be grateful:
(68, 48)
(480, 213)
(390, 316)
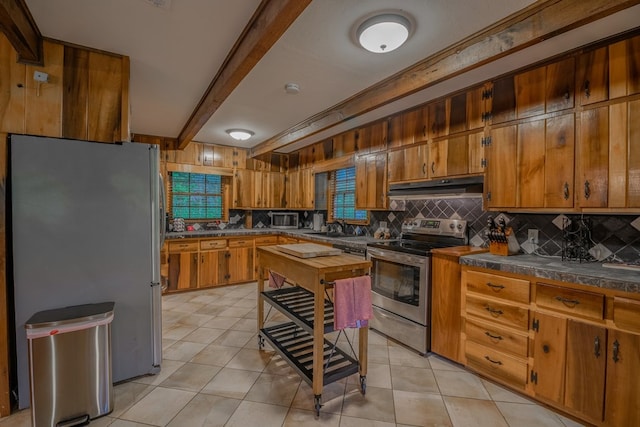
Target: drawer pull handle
(596, 347)
(495, 362)
(568, 302)
(495, 337)
(616, 351)
(494, 311)
(495, 287)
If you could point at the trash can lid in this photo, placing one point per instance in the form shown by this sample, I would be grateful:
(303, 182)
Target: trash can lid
(72, 314)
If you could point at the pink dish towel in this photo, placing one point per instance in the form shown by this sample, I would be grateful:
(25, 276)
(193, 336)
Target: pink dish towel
(276, 280)
(352, 302)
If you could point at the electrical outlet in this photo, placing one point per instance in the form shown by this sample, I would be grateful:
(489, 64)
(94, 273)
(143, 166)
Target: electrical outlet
(533, 236)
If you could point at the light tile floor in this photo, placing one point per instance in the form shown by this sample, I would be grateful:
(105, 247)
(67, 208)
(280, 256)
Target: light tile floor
(214, 375)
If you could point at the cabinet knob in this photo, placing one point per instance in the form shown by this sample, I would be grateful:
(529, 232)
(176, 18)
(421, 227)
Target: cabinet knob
(424, 169)
(495, 287)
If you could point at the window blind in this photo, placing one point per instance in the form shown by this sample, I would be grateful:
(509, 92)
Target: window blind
(196, 196)
(343, 197)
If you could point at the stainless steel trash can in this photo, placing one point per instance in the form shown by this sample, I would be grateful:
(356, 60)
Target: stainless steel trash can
(70, 364)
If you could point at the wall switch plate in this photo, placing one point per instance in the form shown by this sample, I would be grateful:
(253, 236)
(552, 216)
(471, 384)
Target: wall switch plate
(533, 236)
(529, 247)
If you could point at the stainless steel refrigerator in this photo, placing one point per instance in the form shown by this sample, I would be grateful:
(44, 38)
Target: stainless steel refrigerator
(85, 222)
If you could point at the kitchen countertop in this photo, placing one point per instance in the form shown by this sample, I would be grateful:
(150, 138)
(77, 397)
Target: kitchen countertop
(585, 273)
(347, 240)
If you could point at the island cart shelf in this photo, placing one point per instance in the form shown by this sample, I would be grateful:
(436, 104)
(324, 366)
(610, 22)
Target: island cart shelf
(301, 342)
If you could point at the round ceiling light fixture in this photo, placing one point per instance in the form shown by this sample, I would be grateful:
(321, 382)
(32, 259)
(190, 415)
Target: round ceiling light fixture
(384, 32)
(240, 134)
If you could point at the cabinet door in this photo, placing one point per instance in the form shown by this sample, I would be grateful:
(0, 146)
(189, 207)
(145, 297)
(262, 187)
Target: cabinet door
(624, 68)
(439, 118)
(592, 158)
(549, 353)
(243, 188)
(344, 144)
(438, 151)
(476, 107)
(211, 265)
(240, 265)
(622, 395)
(531, 164)
(372, 138)
(371, 181)
(183, 271)
(277, 190)
(624, 156)
(476, 152)
(458, 155)
(409, 164)
(558, 162)
(585, 373)
(408, 127)
(458, 113)
(560, 85)
(530, 92)
(503, 101)
(445, 313)
(592, 83)
(501, 168)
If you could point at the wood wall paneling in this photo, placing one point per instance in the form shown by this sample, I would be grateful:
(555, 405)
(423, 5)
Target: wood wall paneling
(12, 89)
(105, 102)
(76, 93)
(43, 101)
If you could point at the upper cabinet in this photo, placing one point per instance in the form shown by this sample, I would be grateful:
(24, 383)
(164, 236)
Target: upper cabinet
(592, 83)
(87, 96)
(371, 182)
(372, 138)
(624, 68)
(408, 127)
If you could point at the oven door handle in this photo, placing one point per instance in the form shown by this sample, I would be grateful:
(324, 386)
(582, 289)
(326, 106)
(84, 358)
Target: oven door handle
(412, 260)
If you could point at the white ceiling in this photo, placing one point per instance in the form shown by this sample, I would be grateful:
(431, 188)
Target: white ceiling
(175, 53)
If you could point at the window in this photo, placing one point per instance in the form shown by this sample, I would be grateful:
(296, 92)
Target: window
(343, 196)
(196, 196)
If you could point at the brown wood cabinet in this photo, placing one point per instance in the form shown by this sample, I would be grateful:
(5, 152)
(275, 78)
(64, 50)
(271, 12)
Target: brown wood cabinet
(371, 181)
(243, 182)
(501, 175)
(409, 164)
(446, 322)
(496, 318)
(269, 190)
(372, 138)
(300, 189)
(624, 68)
(183, 265)
(607, 164)
(622, 395)
(409, 127)
(592, 81)
(439, 118)
(240, 259)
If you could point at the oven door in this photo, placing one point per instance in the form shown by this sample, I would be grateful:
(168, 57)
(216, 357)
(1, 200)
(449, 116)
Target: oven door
(399, 283)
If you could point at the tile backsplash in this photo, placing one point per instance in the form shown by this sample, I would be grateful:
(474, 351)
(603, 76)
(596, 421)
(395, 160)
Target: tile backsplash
(620, 234)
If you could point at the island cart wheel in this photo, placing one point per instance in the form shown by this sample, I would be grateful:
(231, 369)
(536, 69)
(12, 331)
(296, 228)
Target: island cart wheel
(317, 405)
(363, 384)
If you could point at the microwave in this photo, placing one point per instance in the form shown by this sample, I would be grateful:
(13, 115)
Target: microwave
(284, 220)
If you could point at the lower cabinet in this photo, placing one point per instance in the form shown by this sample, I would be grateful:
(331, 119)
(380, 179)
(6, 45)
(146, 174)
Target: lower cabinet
(204, 263)
(622, 395)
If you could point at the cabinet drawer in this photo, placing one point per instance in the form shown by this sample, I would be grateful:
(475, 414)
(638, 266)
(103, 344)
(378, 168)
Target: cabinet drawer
(183, 246)
(496, 364)
(213, 244)
(240, 243)
(498, 312)
(571, 301)
(266, 240)
(626, 314)
(516, 290)
(497, 338)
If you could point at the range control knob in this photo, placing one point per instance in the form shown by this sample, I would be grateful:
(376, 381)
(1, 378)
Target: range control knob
(459, 226)
(452, 226)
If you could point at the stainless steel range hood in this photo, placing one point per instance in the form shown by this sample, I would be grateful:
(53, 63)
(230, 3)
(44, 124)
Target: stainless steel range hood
(446, 186)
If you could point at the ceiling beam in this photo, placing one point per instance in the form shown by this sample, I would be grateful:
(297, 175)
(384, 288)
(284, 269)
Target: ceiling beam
(540, 21)
(268, 24)
(21, 30)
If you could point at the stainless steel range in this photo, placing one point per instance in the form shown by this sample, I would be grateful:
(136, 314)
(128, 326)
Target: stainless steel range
(401, 278)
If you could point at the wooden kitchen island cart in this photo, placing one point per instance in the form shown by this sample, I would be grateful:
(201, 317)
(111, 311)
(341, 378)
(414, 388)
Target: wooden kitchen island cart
(301, 342)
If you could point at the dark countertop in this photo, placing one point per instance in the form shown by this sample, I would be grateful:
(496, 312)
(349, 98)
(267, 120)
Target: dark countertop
(349, 241)
(585, 273)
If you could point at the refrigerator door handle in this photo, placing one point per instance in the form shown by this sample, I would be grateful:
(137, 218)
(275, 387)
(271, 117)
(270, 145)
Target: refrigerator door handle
(163, 211)
(156, 314)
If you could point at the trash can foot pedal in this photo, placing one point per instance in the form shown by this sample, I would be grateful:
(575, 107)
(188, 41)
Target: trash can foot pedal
(76, 421)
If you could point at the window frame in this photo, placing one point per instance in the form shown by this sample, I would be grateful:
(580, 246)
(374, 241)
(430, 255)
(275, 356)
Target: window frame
(331, 200)
(224, 195)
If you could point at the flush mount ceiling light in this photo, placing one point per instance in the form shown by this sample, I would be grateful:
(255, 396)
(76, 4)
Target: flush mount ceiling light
(240, 134)
(384, 32)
